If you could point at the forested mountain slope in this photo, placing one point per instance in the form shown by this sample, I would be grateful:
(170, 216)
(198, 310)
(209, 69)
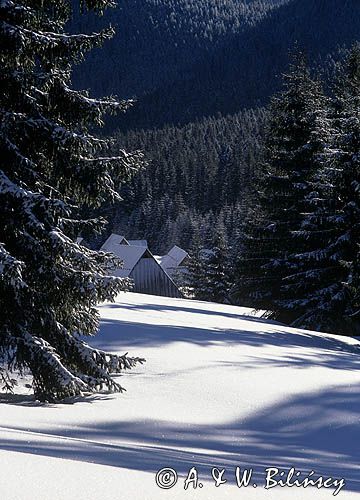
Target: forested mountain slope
(195, 174)
(188, 59)
(158, 41)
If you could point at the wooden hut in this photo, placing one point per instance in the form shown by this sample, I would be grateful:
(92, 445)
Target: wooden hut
(140, 265)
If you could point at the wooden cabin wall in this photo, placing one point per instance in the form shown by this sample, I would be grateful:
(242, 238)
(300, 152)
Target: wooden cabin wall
(150, 278)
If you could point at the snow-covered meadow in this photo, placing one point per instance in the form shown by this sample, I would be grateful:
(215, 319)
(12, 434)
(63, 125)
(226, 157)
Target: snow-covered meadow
(221, 388)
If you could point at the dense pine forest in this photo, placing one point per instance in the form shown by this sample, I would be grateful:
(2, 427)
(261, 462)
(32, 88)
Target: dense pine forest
(197, 174)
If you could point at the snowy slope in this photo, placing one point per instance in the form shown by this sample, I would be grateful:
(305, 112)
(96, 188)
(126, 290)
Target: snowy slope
(220, 388)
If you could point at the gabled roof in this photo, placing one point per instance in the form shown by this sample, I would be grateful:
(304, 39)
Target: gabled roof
(113, 241)
(178, 254)
(130, 256)
(139, 243)
(173, 258)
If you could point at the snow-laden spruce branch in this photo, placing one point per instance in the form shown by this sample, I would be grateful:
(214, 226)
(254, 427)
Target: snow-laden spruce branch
(54, 168)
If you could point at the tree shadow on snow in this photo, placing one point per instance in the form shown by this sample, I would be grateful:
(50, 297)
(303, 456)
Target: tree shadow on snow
(183, 306)
(28, 400)
(323, 350)
(317, 431)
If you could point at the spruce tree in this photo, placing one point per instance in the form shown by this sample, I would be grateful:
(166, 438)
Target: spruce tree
(52, 163)
(328, 298)
(216, 268)
(195, 278)
(291, 149)
(208, 271)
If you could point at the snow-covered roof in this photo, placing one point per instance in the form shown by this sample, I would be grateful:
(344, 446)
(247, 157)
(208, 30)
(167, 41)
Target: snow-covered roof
(178, 254)
(138, 243)
(113, 241)
(173, 258)
(130, 255)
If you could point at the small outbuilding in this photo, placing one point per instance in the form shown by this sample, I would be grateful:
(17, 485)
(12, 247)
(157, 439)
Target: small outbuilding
(175, 261)
(140, 265)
